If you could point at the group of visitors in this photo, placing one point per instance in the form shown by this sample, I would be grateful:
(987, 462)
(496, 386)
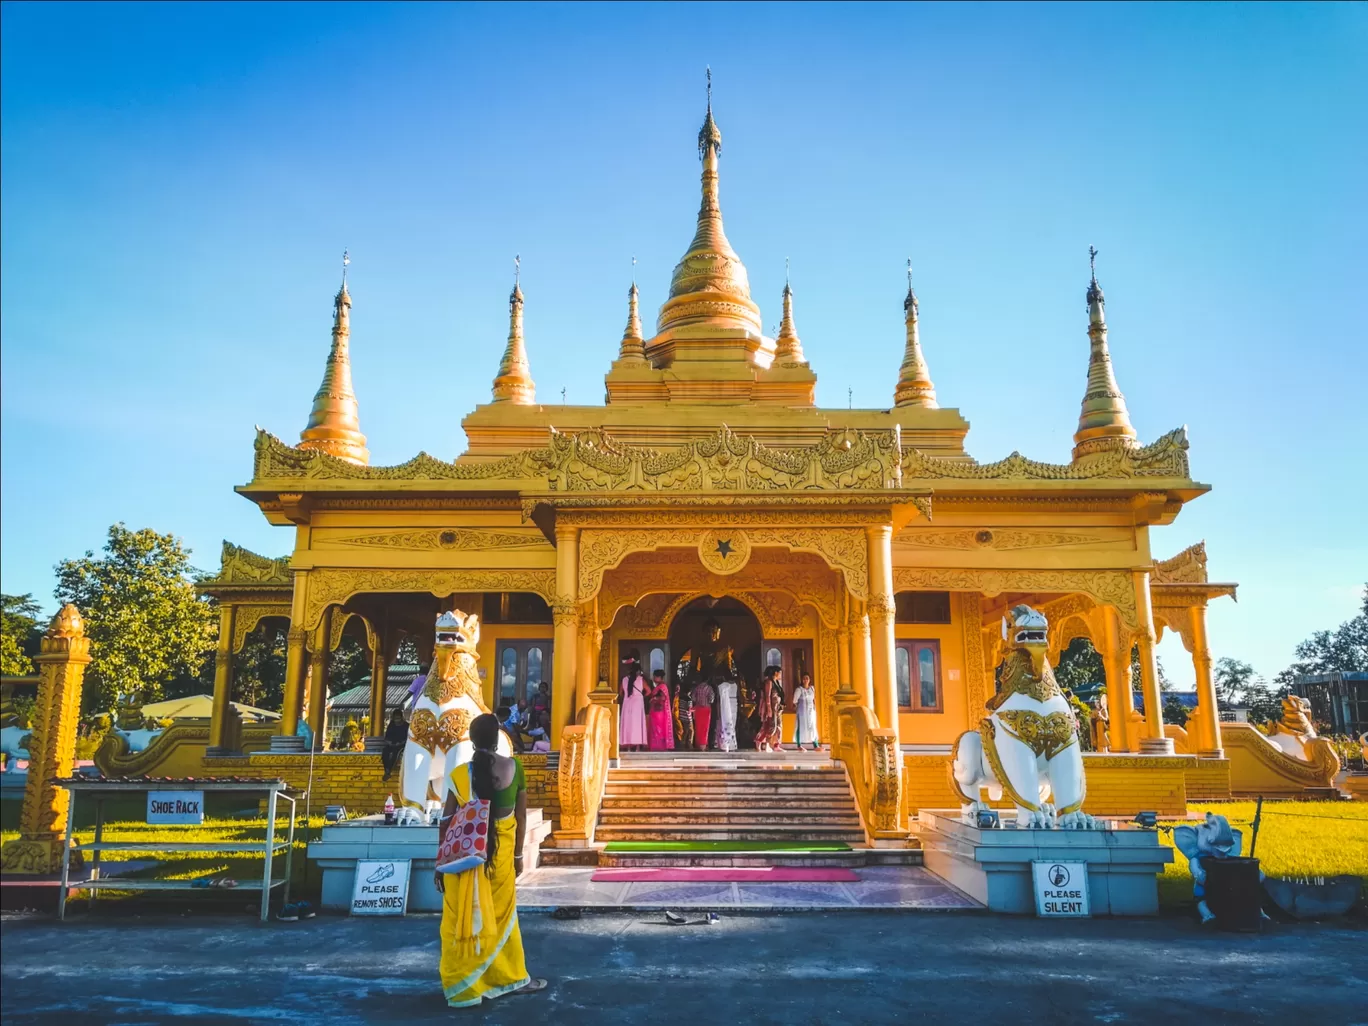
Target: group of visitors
(529, 723)
(711, 713)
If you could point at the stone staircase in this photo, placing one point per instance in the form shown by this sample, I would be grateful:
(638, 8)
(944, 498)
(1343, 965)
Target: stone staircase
(766, 799)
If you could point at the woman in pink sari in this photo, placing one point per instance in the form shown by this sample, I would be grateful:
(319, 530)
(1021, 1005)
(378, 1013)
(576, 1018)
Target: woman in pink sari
(660, 719)
(632, 699)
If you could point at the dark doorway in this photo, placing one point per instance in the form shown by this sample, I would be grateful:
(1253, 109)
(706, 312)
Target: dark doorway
(740, 633)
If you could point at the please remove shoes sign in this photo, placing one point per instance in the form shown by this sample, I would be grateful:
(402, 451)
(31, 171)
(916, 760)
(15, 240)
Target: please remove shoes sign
(381, 887)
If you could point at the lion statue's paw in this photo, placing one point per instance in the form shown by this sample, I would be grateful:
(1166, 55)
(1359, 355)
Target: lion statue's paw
(1079, 820)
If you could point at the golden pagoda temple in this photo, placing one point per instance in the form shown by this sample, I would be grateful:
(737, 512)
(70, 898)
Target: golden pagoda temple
(866, 547)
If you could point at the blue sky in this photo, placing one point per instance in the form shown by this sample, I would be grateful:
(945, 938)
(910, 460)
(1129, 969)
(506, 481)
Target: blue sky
(180, 181)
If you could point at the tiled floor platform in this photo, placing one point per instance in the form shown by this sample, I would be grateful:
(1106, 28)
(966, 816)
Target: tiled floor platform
(879, 887)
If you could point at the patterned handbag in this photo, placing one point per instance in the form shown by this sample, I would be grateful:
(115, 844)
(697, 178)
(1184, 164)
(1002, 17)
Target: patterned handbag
(465, 840)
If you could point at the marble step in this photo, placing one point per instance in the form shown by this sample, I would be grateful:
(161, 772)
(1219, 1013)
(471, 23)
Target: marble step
(852, 859)
(746, 774)
(804, 802)
(757, 832)
(796, 821)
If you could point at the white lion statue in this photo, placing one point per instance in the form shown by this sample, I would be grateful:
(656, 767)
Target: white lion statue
(439, 730)
(1295, 729)
(1027, 747)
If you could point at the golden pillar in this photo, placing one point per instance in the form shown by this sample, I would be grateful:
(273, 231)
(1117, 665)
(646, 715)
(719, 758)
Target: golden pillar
(881, 624)
(1208, 713)
(223, 678)
(1115, 653)
(845, 690)
(565, 615)
(379, 679)
(296, 666)
(861, 671)
(318, 686)
(61, 663)
(586, 655)
(1153, 740)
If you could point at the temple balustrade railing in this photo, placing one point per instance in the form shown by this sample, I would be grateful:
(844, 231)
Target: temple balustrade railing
(586, 749)
(873, 760)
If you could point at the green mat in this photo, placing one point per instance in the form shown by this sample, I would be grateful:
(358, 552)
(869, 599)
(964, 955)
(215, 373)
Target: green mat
(800, 847)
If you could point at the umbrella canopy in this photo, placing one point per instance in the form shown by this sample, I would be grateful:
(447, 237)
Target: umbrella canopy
(201, 707)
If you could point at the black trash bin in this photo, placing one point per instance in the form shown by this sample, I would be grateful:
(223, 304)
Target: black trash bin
(1234, 893)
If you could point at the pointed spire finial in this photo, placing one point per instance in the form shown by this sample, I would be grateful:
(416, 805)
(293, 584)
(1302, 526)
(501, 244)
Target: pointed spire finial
(709, 69)
(788, 348)
(1103, 422)
(334, 422)
(633, 344)
(914, 377)
(513, 383)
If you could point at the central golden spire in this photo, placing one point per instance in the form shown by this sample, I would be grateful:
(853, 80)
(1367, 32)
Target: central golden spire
(1103, 422)
(334, 426)
(710, 285)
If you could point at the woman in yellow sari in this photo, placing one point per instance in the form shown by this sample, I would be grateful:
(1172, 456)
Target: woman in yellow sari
(482, 951)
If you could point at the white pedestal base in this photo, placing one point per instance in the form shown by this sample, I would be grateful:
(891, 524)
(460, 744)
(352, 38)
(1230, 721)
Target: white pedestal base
(994, 866)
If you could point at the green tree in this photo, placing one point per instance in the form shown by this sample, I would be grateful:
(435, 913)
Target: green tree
(1080, 669)
(259, 668)
(145, 622)
(17, 634)
(1233, 679)
(1344, 649)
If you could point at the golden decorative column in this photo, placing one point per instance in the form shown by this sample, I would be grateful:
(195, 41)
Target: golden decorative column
(845, 691)
(881, 624)
(1153, 742)
(318, 687)
(223, 679)
(565, 615)
(61, 663)
(1116, 663)
(1208, 712)
(587, 641)
(379, 679)
(296, 666)
(861, 671)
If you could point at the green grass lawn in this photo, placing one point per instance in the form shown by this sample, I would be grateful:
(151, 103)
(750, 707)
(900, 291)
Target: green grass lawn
(1296, 839)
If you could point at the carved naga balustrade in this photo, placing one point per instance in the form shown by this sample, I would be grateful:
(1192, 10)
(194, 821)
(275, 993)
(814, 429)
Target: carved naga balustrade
(585, 750)
(874, 761)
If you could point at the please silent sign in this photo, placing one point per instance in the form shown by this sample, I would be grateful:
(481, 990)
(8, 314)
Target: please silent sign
(1061, 888)
(168, 807)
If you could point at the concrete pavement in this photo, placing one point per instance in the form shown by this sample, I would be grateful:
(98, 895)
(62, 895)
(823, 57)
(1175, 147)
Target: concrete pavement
(801, 968)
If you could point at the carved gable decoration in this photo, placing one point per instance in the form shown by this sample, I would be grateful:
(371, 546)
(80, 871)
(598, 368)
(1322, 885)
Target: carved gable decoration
(1165, 458)
(594, 461)
(242, 566)
(1188, 567)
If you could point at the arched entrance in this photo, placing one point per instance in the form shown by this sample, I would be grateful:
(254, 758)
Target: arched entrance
(688, 634)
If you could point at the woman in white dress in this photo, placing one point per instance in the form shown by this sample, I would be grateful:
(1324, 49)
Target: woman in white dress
(632, 699)
(726, 711)
(805, 699)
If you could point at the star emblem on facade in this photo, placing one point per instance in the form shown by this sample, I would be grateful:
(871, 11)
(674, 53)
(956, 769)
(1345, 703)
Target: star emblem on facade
(724, 548)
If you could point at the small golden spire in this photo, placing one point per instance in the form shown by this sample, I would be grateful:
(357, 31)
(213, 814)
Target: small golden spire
(1103, 422)
(788, 347)
(914, 378)
(514, 382)
(633, 344)
(334, 422)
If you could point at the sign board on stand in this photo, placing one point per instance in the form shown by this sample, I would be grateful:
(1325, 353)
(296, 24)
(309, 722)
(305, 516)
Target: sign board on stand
(1061, 888)
(175, 807)
(381, 887)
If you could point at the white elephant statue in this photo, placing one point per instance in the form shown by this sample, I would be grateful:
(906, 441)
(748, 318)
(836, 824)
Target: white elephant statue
(10, 739)
(1027, 747)
(439, 729)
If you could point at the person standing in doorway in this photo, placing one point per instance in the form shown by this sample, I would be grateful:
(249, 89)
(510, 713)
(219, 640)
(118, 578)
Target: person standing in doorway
(726, 716)
(632, 699)
(805, 704)
(660, 721)
(704, 696)
(771, 710)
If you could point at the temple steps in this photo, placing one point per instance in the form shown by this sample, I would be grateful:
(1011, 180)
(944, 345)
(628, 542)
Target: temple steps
(768, 798)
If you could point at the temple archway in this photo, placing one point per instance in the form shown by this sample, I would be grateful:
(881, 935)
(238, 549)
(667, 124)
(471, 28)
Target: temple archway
(740, 632)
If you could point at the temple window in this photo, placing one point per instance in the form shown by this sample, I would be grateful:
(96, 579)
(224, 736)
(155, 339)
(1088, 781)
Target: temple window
(515, 607)
(917, 663)
(522, 666)
(922, 606)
